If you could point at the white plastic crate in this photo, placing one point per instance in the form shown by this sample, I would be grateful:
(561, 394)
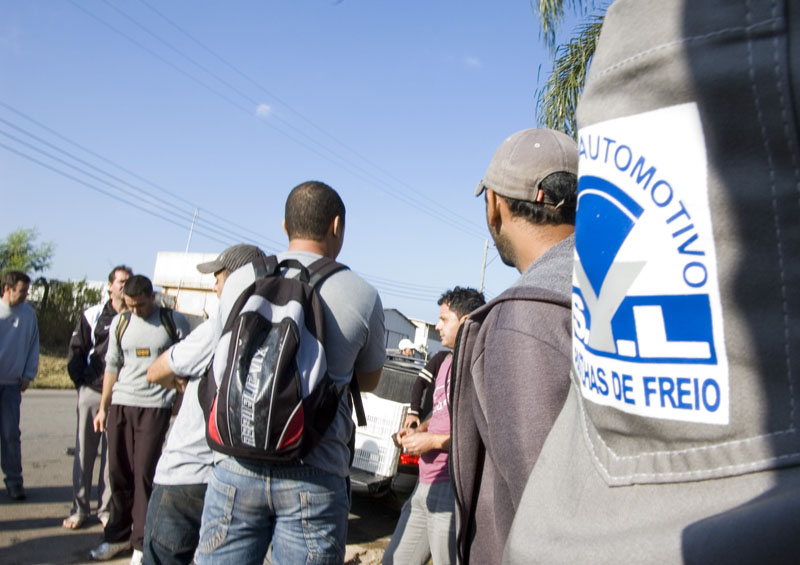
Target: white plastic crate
(384, 417)
(376, 454)
(375, 449)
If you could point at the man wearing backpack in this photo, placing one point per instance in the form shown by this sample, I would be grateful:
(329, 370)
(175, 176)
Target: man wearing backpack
(134, 413)
(179, 486)
(513, 360)
(300, 506)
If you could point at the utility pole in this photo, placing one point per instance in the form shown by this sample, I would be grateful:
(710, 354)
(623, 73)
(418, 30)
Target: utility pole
(186, 253)
(191, 229)
(483, 264)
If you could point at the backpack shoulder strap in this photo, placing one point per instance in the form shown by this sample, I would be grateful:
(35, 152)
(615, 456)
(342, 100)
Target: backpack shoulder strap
(318, 271)
(122, 325)
(321, 269)
(168, 321)
(262, 267)
(358, 406)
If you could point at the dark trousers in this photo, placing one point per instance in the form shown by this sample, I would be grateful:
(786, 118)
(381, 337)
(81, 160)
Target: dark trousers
(135, 436)
(173, 524)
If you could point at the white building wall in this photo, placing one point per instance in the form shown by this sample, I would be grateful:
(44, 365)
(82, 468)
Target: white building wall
(179, 278)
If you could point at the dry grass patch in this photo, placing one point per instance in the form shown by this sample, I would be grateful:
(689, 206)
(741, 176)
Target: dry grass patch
(52, 370)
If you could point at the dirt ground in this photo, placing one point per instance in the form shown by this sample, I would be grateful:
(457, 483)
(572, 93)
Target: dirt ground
(31, 532)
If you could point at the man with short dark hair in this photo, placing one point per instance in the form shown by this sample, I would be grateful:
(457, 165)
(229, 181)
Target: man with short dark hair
(86, 365)
(175, 509)
(427, 528)
(19, 363)
(134, 413)
(301, 507)
(512, 370)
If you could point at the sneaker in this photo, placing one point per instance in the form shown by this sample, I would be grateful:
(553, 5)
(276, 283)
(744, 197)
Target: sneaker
(136, 558)
(103, 519)
(16, 492)
(109, 550)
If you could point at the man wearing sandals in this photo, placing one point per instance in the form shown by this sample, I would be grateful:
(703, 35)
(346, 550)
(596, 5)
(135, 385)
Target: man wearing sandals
(85, 365)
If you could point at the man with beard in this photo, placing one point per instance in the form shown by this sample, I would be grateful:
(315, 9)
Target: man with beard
(512, 363)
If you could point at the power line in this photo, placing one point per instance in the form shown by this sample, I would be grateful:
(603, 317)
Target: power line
(231, 226)
(300, 115)
(102, 191)
(169, 210)
(345, 163)
(387, 286)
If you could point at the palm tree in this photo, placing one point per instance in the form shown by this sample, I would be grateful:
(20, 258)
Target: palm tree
(557, 100)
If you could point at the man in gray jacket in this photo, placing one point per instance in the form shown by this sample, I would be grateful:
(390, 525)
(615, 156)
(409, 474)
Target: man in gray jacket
(679, 441)
(512, 363)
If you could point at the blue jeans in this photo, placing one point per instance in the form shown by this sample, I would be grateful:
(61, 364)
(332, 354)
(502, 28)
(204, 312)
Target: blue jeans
(426, 528)
(10, 444)
(300, 509)
(172, 527)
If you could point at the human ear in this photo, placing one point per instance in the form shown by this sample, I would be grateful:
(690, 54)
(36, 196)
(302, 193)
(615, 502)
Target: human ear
(493, 203)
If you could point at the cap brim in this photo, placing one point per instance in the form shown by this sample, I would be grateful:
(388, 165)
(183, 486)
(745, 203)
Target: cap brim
(210, 267)
(480, 188)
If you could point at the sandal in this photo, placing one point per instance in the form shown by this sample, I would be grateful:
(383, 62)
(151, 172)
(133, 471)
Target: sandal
(73, 522)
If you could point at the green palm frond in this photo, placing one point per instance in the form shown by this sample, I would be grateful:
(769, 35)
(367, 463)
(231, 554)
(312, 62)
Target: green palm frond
(551, 13)
(558, 99)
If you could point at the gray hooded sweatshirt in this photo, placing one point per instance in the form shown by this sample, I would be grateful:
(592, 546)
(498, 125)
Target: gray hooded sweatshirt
(511, 381)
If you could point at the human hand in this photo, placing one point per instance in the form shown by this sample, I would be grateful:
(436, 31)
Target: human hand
(417, 443)
(180, 384)
(412, 421)
(23, 385)
(99, 421)
(398, 437)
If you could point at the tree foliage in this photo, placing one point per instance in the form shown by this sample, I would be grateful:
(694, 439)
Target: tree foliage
(558, 99)
(20, 252)
(60, 306)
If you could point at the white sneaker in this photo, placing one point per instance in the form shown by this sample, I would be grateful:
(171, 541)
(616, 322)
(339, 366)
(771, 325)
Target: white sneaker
(136, 558)
(106, 550)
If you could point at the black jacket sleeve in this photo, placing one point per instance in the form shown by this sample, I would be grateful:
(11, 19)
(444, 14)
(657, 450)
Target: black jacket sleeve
(424, 381)
(80, 344)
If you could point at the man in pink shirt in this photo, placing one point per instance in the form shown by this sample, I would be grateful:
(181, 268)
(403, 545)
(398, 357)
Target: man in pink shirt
(427, 524)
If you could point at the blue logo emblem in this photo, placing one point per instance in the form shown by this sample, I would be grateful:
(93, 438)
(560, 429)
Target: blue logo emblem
(640, 328)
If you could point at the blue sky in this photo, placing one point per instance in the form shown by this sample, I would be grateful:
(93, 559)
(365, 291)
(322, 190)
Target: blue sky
(225, 106)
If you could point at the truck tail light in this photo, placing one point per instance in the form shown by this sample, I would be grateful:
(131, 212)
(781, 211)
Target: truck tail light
(407, 459)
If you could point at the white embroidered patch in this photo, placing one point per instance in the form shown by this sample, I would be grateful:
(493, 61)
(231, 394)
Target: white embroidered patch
(647, 318)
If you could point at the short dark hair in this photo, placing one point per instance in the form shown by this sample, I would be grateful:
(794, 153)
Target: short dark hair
(137, 285)
(560, 188)
(11, 278)
(310, 209)
(462, 301)
(113, 272)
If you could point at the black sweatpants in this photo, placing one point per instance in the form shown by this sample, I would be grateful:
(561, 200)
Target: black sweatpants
(135, 437)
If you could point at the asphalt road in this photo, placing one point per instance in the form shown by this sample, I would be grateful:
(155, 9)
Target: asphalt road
(31, 532)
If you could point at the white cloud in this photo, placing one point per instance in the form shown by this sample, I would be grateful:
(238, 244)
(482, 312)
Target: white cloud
(263, 110)
(472, 62)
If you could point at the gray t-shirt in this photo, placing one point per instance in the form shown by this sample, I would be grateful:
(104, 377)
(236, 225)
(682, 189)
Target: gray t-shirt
(186, 458)
(142, 342)
(354, 340)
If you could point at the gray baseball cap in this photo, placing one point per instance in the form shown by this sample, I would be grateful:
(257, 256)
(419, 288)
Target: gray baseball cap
(232, 258)
(524, 159)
